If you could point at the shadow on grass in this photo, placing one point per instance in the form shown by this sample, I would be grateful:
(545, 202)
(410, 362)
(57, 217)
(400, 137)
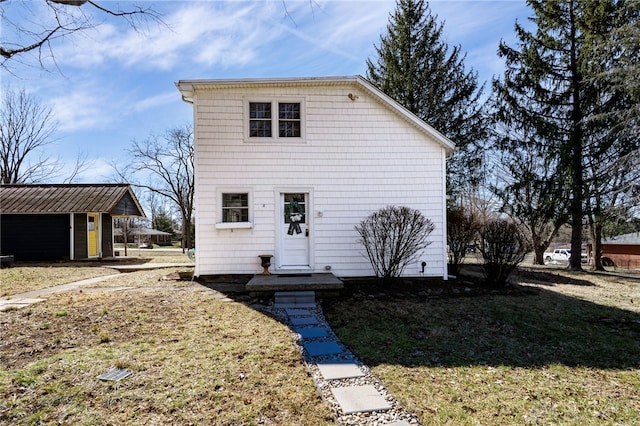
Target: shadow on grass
(549, 278)
(452, 323)
(528, 328)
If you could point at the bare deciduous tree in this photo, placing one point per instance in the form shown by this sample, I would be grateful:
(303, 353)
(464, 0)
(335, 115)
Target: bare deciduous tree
(462, 230)
(33, 26)
(168, 160)
(26, 128)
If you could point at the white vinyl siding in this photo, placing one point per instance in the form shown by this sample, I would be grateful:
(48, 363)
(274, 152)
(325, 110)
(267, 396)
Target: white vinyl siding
(358, 156)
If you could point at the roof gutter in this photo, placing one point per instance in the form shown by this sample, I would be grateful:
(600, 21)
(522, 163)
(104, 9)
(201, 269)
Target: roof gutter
(186, 90)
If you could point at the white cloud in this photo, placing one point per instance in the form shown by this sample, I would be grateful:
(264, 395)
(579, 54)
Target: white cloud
(99, 170)
(155, 101)
(83, 108)
(227, 33)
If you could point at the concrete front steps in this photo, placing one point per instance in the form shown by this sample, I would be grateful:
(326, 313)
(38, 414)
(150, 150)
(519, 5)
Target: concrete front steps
(294, 299)
(334, 362)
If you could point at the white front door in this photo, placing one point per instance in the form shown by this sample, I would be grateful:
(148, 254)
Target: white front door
(294, 231)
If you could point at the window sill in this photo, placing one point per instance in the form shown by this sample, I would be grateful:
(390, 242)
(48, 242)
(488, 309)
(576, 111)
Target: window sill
(234, 225)
(274, 140)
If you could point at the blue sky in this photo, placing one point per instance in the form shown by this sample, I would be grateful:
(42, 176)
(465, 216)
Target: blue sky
(111, 85)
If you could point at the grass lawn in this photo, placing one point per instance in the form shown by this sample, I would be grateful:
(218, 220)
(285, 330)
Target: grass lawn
(562, 349)
(195, 359)
(28, 276)
(558, 348)
(34, 276)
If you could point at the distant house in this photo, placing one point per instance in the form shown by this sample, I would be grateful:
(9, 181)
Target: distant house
(622, 251)
(141, 235)
(288, 167)
(62, 221)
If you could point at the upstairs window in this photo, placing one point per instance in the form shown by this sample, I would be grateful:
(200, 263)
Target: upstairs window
(273, 120)
(289, 120)
(260, 120)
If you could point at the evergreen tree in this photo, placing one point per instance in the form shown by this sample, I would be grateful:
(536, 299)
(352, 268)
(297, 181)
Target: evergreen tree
(619, 51)
(162, 222)
(530, 185)
(416, 67)
(547, 87)
(613, 163)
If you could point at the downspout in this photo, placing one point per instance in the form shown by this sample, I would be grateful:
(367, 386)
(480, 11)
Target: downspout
(445, 275)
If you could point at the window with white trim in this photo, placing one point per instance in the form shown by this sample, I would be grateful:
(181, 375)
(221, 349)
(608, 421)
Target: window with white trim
(275, 119)
(259, 119)
(289, 120)
(235, 207)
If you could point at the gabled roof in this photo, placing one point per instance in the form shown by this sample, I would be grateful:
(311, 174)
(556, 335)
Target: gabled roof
(117, 199)
(188, 88)
(632, 238)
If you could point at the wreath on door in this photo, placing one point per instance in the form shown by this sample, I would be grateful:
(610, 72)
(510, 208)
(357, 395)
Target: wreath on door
(295, 212)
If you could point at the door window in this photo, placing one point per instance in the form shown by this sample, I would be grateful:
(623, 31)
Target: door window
(294, 208)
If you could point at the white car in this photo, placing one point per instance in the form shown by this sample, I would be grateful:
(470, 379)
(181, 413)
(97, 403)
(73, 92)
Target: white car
(558, 255)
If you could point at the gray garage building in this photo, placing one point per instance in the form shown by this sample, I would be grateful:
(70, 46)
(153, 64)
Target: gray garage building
(62, 221)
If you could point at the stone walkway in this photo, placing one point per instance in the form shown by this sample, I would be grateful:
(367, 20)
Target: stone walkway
(356, 395)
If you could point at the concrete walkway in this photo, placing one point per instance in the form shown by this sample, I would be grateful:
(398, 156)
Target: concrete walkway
(22, 300)
(147, 266)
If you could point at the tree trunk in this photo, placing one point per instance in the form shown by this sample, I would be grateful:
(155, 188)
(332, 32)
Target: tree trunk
(597, 246)
(539, 247)
(576, 166)
(595, 227)
(538, 258)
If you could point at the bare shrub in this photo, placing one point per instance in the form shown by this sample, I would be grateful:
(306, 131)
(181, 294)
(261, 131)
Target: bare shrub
(503, 247)
(462, 230)
(393, 237)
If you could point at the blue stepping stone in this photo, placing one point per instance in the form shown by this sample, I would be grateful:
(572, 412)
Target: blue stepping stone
(322, 348)
(293, 312)
(304, 320)
(311, 332)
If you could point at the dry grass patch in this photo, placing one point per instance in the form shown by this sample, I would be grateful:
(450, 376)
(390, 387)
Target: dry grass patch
(195, 360)
(564, 352)
(29, 277)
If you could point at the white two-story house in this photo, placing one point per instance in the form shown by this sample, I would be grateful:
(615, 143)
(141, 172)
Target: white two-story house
(290, 166)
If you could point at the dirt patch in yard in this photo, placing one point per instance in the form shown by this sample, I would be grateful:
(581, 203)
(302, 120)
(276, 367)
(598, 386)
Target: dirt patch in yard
(195, 359)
